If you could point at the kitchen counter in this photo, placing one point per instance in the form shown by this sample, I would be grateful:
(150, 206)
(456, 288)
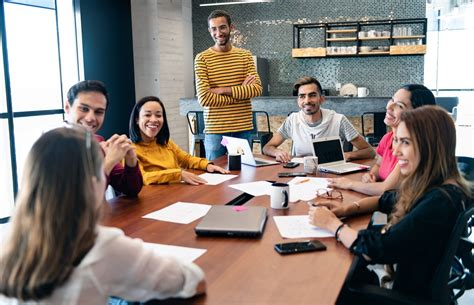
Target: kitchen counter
(282, 105)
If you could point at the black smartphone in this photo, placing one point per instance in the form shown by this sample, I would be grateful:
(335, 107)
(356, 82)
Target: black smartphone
(302, 246)
(291, 174)
(291, 165)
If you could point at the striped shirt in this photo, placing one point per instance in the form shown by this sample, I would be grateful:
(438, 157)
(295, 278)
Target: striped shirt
(213, 69)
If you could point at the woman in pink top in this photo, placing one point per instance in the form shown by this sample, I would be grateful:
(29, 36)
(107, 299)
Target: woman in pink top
(384, 175)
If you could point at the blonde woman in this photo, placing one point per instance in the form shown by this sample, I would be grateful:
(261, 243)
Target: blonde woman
(423, 214)
(56, 253)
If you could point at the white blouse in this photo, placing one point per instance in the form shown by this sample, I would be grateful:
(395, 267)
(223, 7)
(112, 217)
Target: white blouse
(120, 266)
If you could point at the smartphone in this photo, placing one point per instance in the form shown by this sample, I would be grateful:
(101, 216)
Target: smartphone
(292, 174)
(291, 165)
(297, 247)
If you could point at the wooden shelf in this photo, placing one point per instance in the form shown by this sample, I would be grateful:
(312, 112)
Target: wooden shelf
(409, 37)
(405, 50)
(342, 31)
(308, 52)
(342, 39)
(374, 38)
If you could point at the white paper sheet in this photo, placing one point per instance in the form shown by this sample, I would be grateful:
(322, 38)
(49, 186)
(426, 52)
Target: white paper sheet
(4, 229)
(180, 212)
(257, 188)
(304, 188)
(215, 179)
(298, 226)
(182, 253)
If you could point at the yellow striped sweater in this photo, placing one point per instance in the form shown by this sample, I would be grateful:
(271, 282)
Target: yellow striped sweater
(213, 69)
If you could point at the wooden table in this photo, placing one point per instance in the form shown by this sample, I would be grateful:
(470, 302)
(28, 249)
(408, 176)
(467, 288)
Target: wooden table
(240, 270)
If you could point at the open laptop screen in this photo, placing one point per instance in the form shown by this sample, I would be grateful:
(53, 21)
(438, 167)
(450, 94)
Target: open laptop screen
(328, 151)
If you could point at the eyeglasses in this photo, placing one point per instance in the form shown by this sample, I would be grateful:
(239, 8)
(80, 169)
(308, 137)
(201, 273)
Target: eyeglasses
(329, 194)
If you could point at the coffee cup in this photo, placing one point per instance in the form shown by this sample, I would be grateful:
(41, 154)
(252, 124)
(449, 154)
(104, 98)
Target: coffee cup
(362, 92)
(280, 195)
(310, 165)
(234, 162)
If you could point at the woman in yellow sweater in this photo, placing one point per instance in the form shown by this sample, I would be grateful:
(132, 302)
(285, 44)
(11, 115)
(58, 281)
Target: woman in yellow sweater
(160, 159)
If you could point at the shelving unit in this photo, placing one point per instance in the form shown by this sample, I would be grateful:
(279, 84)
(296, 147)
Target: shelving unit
(345, 38)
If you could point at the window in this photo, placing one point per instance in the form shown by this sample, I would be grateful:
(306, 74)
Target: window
(42, 62)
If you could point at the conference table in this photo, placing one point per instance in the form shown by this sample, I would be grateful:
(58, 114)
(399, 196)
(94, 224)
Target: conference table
(242, 270)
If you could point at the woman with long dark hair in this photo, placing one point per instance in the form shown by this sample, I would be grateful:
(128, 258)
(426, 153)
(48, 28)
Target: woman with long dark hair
(423, 212)
(160, 159)
(385, 174)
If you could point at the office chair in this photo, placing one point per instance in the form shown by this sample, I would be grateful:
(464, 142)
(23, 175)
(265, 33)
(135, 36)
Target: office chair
(378, 127)
(447, 103)
(466, 245)
(196, 126)
(441, 287)
(260, 136)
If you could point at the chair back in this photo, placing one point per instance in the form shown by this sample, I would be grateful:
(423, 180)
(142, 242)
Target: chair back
(447, 102)
(196, 122)
(439, 288)
(466, 167)
(379, 127)
(260, 136)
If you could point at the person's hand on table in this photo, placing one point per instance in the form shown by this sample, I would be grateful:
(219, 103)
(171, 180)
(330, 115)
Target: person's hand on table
(341, 183)
(211, 168)
(338, 208)
(323, 218)
(192, 178)
(282, 156)
(369, 178)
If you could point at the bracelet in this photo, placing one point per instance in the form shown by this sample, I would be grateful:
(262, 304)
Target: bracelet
(338, 231)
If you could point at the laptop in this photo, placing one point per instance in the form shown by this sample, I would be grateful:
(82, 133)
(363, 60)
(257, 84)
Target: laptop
(237, 221)
(331, 157)
(241, 146)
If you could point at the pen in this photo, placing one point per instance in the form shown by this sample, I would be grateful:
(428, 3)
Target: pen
(302, 181)
(312, 204)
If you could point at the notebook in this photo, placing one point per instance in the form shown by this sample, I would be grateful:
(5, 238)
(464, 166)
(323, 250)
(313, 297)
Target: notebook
(331, 157)
(238, 221)
(241, 146)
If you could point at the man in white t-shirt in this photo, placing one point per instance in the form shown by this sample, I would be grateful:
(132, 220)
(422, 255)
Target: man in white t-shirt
(312, 122)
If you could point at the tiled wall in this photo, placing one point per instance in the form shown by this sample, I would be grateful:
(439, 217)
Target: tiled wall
(266, 30)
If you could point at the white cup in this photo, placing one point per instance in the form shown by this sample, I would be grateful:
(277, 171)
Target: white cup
(362, 92)
(310, 165)
(280, 195)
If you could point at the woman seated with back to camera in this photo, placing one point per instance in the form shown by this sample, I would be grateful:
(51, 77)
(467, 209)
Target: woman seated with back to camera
(56, 253)
(423, 213)
(385, 174)
(160, 159)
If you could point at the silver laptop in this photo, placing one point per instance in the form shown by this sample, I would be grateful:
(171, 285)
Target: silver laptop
(241, 146)
(238, 221)
(331, 157)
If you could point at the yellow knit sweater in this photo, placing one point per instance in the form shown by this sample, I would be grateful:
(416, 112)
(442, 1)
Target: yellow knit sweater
(213, 69)
(163, 163)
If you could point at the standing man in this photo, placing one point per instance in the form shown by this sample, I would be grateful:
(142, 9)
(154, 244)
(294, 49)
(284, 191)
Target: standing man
(86, 104)
(313, 122)
(226, 80)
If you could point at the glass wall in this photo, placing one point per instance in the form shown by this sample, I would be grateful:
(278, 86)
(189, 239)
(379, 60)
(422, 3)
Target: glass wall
(41, 62)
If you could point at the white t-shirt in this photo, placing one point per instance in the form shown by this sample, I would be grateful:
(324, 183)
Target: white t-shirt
(331, 124)
(120, 266)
